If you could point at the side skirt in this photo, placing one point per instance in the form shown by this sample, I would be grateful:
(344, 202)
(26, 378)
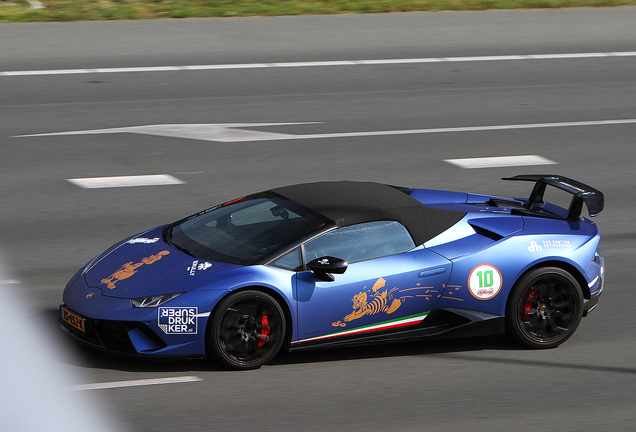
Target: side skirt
(439, 324)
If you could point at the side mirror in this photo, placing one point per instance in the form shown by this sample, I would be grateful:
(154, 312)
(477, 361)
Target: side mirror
(324, 266)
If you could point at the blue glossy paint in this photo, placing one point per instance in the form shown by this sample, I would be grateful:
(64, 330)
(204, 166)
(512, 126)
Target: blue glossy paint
(432, 196)
(327, 307)
(147, 268)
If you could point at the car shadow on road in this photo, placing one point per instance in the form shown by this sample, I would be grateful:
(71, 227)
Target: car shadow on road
(87, 357)
(398, 349)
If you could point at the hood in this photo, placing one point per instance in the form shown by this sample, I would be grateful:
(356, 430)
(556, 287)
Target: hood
(144, 264)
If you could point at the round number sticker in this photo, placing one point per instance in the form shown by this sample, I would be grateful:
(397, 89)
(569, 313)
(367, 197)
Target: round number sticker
(484, 281)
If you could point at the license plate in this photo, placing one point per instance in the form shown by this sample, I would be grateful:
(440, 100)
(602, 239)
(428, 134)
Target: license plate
(73, 319)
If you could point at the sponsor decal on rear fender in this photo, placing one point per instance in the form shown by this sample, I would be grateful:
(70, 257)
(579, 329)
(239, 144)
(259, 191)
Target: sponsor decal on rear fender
(485, 281)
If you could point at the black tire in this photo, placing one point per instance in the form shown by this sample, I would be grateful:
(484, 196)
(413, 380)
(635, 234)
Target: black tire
(247, 330)
(544, 308)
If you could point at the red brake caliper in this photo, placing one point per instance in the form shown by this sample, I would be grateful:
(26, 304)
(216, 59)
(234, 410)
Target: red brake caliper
(526, 306)
(265, 331)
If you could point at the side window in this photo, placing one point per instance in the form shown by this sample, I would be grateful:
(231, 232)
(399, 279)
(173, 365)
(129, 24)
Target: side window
(361, 242)
(289, 261)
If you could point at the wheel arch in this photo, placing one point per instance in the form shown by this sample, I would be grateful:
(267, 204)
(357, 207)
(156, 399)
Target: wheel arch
(269, 291)
(576, 274)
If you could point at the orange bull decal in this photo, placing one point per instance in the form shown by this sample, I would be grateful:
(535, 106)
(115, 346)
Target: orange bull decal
(129, 269)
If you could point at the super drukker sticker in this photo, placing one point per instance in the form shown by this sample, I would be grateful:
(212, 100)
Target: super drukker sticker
(178, 320)
(484, 281)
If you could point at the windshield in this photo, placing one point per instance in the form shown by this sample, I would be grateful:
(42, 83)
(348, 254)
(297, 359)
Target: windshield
(242, 231)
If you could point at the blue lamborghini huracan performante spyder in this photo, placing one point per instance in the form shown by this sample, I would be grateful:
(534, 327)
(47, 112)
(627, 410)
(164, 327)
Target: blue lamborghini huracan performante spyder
(341, 263)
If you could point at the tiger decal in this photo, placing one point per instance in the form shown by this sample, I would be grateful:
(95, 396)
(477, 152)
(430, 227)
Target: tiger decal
(376, 300)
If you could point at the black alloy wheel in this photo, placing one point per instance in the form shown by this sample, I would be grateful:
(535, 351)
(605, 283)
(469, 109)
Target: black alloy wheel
(247, 330)
(544, 308)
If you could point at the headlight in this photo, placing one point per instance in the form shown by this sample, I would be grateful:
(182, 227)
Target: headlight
(153, 301)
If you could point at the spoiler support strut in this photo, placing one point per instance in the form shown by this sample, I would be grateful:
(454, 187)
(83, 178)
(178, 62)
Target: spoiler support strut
(582, 193)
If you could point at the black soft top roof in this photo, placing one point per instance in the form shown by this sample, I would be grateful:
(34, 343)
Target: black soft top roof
(348, 203)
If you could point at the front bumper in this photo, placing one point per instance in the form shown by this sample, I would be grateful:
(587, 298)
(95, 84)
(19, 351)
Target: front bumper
(125, 337)
(176, 328)
(133, 338)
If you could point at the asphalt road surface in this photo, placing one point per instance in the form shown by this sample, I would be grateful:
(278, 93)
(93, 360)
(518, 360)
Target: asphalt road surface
(475, 78)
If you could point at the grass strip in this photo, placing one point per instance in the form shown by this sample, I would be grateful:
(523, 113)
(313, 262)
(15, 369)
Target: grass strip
(91, 10)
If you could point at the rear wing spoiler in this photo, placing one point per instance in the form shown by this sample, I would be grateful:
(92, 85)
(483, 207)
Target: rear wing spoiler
(583, 193)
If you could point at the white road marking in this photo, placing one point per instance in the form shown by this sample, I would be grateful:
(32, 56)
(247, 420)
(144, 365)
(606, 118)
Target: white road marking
(125, 181)
(502, 161)
(321, 63)
(221, 132)
(10, 282)
(135, 383)
(232, 132)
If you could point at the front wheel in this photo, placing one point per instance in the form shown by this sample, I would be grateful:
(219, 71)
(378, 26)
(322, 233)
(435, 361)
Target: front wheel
(247, 330)
(544, 308)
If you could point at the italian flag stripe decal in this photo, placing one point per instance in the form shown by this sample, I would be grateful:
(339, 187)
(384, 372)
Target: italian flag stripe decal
(386, 325)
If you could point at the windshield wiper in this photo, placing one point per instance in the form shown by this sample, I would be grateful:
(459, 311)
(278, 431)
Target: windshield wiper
(182, 249)
(168, 240)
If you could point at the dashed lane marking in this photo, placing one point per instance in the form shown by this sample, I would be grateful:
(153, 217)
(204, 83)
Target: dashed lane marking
(125, 181)
(134, 383)
(320, 63)
(501, 161)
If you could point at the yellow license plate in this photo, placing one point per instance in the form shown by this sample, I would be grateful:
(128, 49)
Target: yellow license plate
(73, 319)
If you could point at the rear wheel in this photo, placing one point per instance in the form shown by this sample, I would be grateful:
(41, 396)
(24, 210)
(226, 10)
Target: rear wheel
(247, 330)
(544, 308)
